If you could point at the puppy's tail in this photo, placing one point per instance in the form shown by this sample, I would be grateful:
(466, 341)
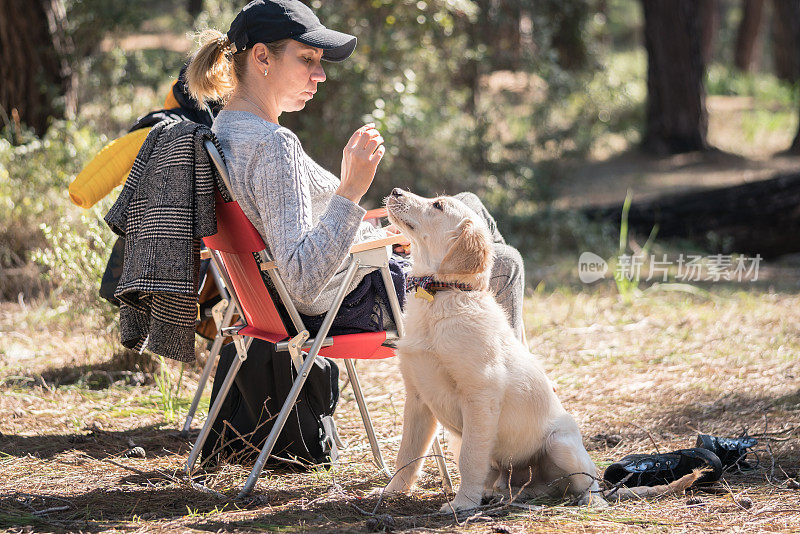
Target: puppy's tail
(677, 487)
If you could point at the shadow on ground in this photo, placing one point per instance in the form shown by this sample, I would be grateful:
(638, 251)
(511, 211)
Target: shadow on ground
(596, 183)
(125, 367)
(100, 510)
(732, 413)
(98, 444)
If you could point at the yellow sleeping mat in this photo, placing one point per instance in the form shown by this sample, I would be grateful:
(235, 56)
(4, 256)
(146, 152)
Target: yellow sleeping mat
(108, 169)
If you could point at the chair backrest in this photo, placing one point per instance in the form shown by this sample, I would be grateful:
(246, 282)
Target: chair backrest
(236, 240)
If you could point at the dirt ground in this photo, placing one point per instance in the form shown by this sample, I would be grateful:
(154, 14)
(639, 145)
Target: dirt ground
(736, 159)
(638, 377)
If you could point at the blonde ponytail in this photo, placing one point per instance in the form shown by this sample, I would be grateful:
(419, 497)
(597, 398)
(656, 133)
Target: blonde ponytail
(210, 75)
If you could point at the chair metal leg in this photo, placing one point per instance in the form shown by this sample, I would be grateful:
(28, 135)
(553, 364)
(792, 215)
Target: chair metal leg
(277, 428)
(437, 451)
(241, 351)
(212, 356)
(365, 417)
(198, 394)
(283, 415)
(397, 312)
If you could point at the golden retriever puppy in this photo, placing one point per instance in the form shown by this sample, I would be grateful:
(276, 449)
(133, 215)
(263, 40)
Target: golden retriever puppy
(463, 367)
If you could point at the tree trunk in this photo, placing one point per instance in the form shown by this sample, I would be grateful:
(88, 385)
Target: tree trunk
(787, 48)
(194, 7)
(498, 28)
(785, 28)
(795, 148)
(676, 114)
(37, 82)
(567, 19)
(569, 37)
(747, 43)
(755, 218)
(709, 14)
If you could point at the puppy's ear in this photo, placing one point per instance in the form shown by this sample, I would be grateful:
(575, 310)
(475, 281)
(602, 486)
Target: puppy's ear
(471, 253)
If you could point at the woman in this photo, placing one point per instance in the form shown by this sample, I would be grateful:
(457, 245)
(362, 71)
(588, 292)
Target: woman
(269, 63)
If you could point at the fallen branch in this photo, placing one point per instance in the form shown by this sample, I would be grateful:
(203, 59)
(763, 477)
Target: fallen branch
(53, 509)
(676, 487)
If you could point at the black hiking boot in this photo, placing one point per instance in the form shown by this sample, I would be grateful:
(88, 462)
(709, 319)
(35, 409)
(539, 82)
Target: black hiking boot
(731, 451)
(657, 469)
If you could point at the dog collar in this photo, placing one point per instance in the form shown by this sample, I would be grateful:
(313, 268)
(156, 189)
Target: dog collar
(425, 287)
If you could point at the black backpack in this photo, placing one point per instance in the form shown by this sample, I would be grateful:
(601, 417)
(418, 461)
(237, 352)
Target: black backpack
(253, 403)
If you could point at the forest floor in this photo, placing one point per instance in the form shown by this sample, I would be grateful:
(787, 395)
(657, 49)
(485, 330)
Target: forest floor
(643, 375)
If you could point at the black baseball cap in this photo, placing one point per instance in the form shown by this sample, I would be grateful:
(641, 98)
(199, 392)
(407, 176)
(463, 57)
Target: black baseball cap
(266, 21)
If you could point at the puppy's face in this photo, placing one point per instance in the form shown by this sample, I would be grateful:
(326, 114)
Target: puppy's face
(447, 238)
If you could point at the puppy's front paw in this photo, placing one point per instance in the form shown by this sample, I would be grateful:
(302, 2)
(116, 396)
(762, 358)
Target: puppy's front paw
(592, 500)
(461, 502)
(493, 495)
(395, 486)
(376, 492)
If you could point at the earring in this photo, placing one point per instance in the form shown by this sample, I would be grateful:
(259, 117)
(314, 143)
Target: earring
(265, 72)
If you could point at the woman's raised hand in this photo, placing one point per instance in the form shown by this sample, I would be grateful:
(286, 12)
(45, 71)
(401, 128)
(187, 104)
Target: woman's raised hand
(359, 162)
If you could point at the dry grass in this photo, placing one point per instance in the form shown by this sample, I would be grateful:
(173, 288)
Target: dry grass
(653, 372)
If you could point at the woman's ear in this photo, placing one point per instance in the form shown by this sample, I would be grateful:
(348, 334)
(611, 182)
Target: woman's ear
(470, 253)
(260, 56)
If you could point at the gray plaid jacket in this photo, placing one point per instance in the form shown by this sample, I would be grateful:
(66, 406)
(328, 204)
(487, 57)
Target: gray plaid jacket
(165, 208)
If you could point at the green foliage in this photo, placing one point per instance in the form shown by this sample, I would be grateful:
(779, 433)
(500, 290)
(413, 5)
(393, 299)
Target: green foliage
(547, 235)
(529, 142)
(75, 257)
(758, 122)
(627, 283)
(89, 21)
(169, 391)
(627, 276)
(766, 89)
(769, 109)
(120, 86)
(623, 24)
(218, 14)
(34, 176)
(39, 224)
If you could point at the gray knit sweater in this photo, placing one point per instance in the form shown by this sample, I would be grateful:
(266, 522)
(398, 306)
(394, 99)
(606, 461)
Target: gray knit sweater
(291, 201)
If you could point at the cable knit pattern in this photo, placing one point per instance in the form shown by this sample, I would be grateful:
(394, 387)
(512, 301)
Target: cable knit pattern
(291, 201)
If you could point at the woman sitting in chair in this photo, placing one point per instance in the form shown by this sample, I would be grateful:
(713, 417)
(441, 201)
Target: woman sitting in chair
(269, 63)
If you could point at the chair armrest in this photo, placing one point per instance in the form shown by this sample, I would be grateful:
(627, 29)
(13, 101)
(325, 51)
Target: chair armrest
(377, 213)
(394, 239)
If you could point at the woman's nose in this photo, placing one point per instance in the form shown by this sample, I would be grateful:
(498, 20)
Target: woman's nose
(318, 75)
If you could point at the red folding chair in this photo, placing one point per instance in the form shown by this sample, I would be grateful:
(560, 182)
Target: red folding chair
(232, 249)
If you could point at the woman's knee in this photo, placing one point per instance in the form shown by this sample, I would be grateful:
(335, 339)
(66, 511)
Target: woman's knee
(509, 260)
(471, 200)
(474, 203)
(508, 271)
(508, 284)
